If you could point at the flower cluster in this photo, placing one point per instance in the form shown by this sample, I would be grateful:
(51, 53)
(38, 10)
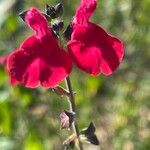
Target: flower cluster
(40, 60)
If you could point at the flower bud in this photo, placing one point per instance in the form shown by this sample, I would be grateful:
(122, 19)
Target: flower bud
(59, 9)
(68, 32)
(50, 11)
(57, 25)
(66, 119)
(88, 134)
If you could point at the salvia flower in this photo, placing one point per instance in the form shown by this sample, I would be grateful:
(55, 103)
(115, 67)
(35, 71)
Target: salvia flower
(91, 48)
(39, 60)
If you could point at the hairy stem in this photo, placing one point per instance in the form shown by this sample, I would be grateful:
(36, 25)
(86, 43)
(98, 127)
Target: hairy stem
(72, 106)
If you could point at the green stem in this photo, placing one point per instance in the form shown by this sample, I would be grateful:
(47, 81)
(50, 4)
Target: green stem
(72, 106)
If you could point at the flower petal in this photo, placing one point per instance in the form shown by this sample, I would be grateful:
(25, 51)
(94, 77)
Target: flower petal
(46, 44)
(85, 58)
(95, 51)
(57, 67)
(84, 11)
(23, 69)
(30, 71)
(39, 61)
(37, 21)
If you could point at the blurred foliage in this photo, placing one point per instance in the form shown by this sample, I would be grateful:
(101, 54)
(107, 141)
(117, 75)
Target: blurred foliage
(118, 104)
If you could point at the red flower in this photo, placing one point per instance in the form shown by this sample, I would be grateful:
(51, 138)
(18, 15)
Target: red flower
(91, 48)
(39, 59)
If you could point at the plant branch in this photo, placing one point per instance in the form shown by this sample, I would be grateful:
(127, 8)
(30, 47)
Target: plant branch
(71, 100)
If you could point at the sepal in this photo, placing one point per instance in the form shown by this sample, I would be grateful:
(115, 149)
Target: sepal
(60, 91)
(47, 17)
(88, 135)
(22, 14)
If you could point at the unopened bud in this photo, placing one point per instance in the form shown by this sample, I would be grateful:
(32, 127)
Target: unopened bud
(88, 134)
(66, 119)
(68, 32)
(59, 9)
(57, 25)
(50, 11)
